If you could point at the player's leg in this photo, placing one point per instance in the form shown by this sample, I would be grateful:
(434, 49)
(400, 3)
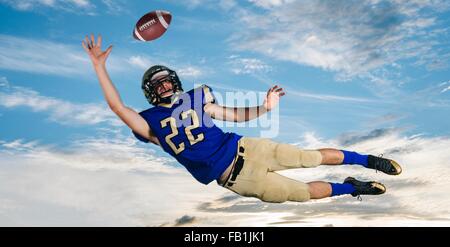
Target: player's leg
(287, 156)
(340, 157)
(319, 189)
(277, 189)
(251, 177)
(351, 186)
(290, 156)
(331, 156)
(281, 156)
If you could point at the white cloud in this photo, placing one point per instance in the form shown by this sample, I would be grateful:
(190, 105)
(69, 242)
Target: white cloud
(29, 4)
(81, 3)
(302, 94)
(328, 97)
(4, 82)
(114, 152)
(60, 111)
(74, 6)
(86, 7)
(248, 66)
(445, 86)
(269, 3)
(115, 6)
(227, 4)
(209, 4)
(41, 56)
(143, 62)
(48, 57)
(445, 89)
(430, 96)
(190, 71)
(139, 62)
(350, 37)
(93, 182)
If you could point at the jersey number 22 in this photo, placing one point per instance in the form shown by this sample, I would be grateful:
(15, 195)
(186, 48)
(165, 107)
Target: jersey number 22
(173, 126)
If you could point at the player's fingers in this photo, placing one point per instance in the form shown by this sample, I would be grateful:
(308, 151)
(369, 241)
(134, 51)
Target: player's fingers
(108, 50)
(272, 88)
(88, 44)
(99, 40)
(281, 94)
(84, 46)
(279, 89)
(92, 41)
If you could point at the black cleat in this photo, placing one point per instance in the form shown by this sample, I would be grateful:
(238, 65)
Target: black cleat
(365, 188)
(385, 165)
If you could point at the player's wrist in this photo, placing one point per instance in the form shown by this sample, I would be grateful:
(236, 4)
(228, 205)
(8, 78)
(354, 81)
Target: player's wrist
(263, 109)
(98, 66)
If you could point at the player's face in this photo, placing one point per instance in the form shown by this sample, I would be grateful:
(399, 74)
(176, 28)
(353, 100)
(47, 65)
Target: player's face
(164, 89)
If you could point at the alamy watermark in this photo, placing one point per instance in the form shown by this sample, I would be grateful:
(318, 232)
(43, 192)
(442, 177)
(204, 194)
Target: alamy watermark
(236, 104)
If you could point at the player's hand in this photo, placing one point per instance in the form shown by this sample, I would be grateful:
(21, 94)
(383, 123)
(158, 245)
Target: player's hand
(273, 97)
(94, 50)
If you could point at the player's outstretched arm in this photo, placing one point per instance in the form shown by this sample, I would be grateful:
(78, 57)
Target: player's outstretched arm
(126, 114)
(242, 114)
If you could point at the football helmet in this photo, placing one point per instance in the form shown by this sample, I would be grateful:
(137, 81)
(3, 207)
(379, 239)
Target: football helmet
(155, 76)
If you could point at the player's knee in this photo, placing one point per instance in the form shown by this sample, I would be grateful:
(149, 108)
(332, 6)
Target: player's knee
(287, 155)
(290, 155)
(301, 195)
(282, 193)
(275, 194)
(311, 158)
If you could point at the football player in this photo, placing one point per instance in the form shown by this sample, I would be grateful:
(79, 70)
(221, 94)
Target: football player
(181, 124)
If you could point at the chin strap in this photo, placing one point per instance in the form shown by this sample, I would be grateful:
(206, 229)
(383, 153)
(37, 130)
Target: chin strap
(166, 100)
(169, 99)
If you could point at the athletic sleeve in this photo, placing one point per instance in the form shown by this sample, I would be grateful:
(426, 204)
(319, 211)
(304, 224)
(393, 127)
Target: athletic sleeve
(208, 96)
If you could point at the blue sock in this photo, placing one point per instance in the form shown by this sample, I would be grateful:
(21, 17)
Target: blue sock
(341, 189)
(353, 158)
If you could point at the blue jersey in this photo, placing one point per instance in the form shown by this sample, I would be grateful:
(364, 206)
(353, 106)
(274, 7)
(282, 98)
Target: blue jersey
(188, 134)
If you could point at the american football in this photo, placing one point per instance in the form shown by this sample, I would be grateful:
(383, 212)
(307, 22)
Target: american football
(152, 25)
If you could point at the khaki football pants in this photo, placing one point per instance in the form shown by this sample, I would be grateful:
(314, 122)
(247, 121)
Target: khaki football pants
(262, 157)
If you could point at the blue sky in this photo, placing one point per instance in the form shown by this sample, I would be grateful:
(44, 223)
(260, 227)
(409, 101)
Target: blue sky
(353, 71)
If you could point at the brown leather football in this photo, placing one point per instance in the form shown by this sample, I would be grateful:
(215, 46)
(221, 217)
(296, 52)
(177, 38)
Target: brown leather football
(152, 25)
